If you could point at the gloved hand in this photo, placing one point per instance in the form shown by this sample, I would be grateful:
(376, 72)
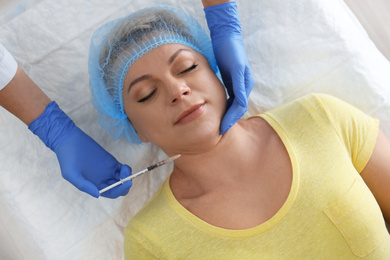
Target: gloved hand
(226, 37)
(83, 162)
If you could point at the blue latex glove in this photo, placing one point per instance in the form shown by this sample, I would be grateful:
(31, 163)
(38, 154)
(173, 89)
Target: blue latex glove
(226, 37)
(83, 162)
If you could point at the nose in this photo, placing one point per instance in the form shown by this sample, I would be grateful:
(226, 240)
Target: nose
(178, 92)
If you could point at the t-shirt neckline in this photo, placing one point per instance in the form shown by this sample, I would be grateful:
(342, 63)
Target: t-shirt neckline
(257, 230)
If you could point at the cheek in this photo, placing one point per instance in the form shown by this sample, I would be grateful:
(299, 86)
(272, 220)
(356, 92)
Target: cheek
(217, 90)
(139, 118)
(210, 79)
(146, 121)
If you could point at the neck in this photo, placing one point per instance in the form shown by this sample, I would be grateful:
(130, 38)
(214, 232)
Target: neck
(220, 165)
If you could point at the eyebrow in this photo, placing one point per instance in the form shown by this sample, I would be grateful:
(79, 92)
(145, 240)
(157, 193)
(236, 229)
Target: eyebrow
(137, 80)
(148, 76)
(174, 56)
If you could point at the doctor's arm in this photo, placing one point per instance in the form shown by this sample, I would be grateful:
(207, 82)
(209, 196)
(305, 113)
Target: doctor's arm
(83, 162)
(226, 37)
(376, 174)
(208, 3)
(23, 98)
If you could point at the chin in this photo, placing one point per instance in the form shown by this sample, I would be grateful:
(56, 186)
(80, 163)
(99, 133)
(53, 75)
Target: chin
(204, 135)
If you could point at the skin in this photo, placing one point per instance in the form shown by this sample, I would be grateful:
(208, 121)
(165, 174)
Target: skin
(188, 80)
(23, 98)
(376, 174)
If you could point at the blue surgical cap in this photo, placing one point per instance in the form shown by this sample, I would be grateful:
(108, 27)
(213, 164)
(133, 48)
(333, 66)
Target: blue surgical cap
(116, 45)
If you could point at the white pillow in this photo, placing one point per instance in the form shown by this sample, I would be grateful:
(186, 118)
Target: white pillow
(294, 48)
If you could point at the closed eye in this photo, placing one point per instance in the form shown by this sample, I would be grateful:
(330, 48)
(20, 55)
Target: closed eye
(189, 69)
(154, 91)
(148, 96)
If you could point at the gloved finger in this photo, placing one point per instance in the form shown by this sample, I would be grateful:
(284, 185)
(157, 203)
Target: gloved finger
(108, 183)
(229, 89)
(249, 81)
(229, 102)
(227, 82)
(234, 113)
(120, 190)
(116, 173)
(84, 185)
(125, 172)
(239, 88)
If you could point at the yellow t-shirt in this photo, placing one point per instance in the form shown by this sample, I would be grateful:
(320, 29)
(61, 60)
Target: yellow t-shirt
(329, 214)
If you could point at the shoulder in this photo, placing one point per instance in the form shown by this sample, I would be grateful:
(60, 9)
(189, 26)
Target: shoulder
(331, 105)
(148, 213)
(147, 219)
(154, 216)
(313, 107)
(314, 101)
(144, 230)
(311, 114)
(301, 112)
(318, 102)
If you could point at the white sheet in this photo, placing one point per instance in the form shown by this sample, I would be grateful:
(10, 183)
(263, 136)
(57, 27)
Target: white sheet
(294, 48)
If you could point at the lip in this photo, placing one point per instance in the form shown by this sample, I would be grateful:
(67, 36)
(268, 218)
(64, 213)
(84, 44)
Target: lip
(190, 114)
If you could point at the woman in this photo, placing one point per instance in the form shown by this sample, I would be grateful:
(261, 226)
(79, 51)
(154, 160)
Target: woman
(282, 185)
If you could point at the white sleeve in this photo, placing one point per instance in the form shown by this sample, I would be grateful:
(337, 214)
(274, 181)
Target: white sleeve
(8, 67)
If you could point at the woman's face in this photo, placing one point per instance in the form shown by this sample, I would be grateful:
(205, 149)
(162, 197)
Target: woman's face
(174, 99)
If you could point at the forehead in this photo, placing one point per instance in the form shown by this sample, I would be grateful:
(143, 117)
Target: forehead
(163, 55)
